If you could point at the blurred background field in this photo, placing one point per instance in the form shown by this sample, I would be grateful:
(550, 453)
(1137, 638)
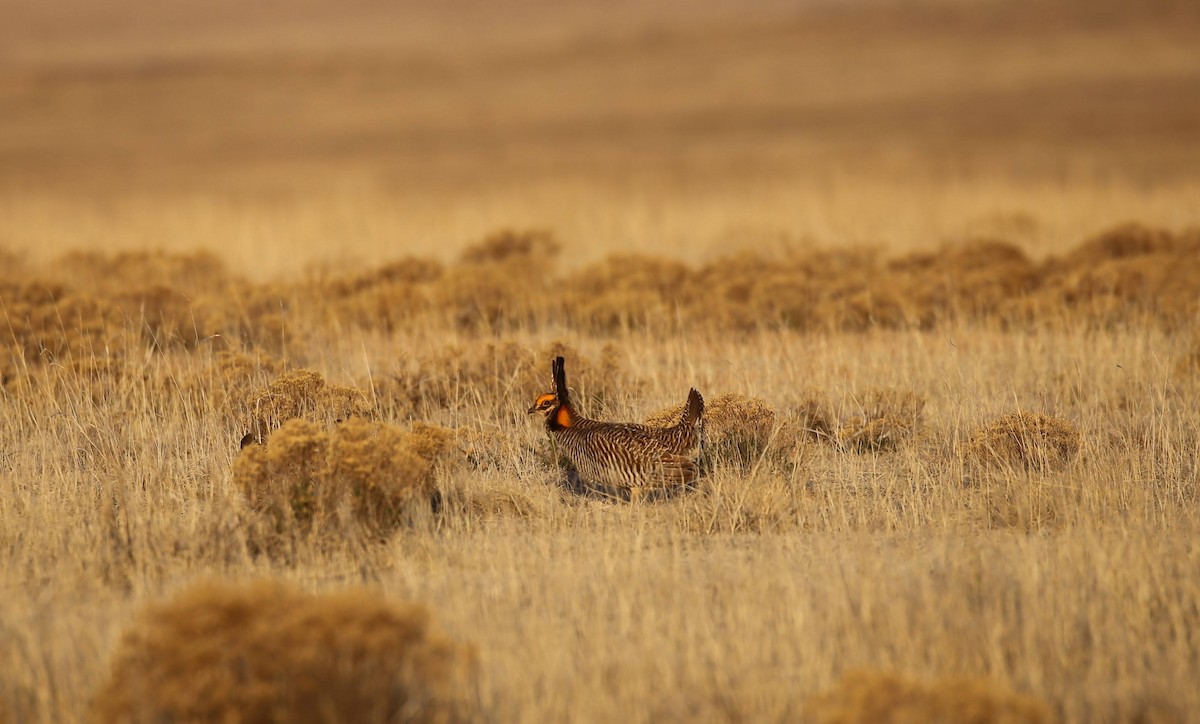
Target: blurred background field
(934, 264)
(282, 133)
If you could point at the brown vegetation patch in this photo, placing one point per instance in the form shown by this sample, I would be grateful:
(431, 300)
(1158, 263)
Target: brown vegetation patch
(164, 316)
(1126, 241)
(1128, 274)
(300, 394)
(44, 323)
(628, 291)
(1029, 440)
(112, 274)
(886, 419)
(385, 298)
(532, 250)
(503, 281)
(812, 418)
(305, 477)
(868, 697)
(973, 280)
(737, 429)
(267, 652)
(276, 318)
(230, 381)
(507, 371)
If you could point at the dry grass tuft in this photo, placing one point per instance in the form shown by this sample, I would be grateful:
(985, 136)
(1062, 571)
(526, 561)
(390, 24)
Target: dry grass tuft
(386, 298)
(453, 376)
(501, 282)
(812, 419)
(165, 317)
(230, 381)
(976, 279)
(530, 248)
(867, 697)
(887, 418)
(266, 652)
(44, 323)
(1028, 440)
(1123, 242)
(300, 394)
(737, 429)
(1187, 366)
(112, 274)
(309, 481)
(629, 291)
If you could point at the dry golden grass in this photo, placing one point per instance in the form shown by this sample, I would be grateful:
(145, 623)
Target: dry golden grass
(266, 652)
(304, 479)
(865, 478)
(867, 235)
(863, 486)
(1028, 440)
(299, 394)
(825, 558)
(737, 429)
(863, 696)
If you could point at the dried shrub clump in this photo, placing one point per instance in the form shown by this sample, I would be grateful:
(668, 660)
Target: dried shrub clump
(266, 652)
(534, 247)
(385, 298)
(43, 323)
(1128, 274)
(1123, 241)
(504, 281)
(230, 380)
(812, 418)
(886, 419)
(737, 429)
(865, 697)
(165, 317)
(506, 374)
(976, 279)
(276, 318)
(628, 291)
(304, 478)
(113, 274)
(1029, 440)
(300, 394)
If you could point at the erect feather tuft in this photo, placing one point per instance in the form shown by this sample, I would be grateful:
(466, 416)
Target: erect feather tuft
(694, 410)
(560, 381)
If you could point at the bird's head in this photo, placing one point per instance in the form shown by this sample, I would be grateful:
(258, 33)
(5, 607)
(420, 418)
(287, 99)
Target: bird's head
(544, 404)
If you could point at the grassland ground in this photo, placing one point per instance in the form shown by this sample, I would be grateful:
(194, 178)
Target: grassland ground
(933, 266)
(795, 562)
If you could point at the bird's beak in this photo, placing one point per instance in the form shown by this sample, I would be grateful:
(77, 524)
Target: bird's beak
(531, 410)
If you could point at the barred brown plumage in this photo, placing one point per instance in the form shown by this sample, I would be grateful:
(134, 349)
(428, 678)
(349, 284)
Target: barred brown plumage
(624, 460)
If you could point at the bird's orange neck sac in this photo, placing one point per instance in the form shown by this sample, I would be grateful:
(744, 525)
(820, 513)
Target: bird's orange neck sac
(563, 416)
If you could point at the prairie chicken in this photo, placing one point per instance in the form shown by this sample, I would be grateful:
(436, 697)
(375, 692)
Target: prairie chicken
(624, 460)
